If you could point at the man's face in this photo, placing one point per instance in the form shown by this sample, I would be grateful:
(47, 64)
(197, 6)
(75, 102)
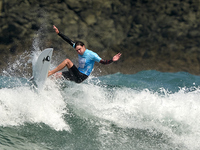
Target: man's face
(80, 49)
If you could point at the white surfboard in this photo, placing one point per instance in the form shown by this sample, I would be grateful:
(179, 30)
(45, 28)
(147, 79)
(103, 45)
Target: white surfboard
(41, 68)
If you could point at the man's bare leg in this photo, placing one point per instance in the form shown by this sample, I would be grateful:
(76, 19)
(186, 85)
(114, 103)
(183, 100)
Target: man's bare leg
(66, 63)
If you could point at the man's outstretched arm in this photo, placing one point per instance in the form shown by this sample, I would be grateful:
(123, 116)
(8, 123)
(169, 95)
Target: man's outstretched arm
(64, 37)
(115, 58)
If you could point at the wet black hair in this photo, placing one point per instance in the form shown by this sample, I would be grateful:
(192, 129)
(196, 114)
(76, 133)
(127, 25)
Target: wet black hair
(78, 43)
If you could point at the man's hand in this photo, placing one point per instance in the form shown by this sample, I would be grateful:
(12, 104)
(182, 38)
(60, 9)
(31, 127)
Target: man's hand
(116, 57)
(56, 29)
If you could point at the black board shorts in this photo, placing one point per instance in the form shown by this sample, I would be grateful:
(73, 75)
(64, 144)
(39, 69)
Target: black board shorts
(74, 75)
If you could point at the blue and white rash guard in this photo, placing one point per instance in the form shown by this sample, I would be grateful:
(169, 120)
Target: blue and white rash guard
(86, 61)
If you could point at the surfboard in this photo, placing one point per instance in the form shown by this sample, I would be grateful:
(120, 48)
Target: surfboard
(41, 68)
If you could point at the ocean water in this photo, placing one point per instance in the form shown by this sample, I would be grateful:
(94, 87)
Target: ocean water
(149, 110)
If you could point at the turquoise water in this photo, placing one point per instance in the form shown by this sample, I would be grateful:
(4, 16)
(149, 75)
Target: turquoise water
(149, 110)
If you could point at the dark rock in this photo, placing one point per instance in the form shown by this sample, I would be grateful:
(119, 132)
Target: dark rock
(158, 34)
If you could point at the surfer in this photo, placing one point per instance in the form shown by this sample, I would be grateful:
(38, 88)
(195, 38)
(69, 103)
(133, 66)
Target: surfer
(86, 59)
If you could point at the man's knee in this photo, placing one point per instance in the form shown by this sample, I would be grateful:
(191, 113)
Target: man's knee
(68, 63)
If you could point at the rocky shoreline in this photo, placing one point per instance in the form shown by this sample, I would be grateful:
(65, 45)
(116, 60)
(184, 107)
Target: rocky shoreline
(152, 35)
